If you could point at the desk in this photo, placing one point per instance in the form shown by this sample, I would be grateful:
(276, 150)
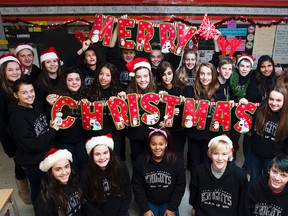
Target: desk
(8, 206)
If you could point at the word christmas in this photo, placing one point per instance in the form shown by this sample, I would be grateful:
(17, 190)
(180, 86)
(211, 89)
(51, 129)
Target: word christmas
(126, 112)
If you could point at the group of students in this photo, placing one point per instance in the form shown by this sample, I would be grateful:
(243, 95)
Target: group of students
(158, 180)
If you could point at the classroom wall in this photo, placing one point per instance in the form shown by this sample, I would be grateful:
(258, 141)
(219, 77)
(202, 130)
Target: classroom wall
(268, 40)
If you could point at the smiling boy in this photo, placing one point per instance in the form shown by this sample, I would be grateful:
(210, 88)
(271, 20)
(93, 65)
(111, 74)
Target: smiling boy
(269, 194)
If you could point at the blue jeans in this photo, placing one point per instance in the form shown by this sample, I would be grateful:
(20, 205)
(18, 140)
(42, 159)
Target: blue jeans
(257, 165)
(158, 210)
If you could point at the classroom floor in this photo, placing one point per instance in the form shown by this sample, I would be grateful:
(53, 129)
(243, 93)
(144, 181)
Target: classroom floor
(7, 180)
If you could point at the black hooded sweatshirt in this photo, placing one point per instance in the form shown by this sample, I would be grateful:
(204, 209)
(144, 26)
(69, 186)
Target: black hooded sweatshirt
(261, 201)
(30, 129)
(212, 196)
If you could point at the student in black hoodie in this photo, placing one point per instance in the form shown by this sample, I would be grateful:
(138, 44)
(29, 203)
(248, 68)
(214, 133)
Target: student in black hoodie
(169, 83)
(74, 137)
(218, 185)
(33, 135)
(206, 87)
(106, 180)
(269, 194)
(270, 131)
(87, 62)
(49, 78)
(158, 179)
(105, 88)
(60, 188)
(142, 82)
(10, 71)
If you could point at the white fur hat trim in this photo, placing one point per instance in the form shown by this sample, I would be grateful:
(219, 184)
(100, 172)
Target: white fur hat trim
(99, 140)
(51, 159)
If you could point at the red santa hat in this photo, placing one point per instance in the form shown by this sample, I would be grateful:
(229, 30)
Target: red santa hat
(248, 57)
(50, 53)
(12, 57)
(136, 63)
(54, 155)
(23, 46)
(100, 140)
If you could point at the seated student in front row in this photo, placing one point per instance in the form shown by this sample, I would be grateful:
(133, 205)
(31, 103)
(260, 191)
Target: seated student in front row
(218, 185)
(269, 194)
(60, 188)
(158, 179)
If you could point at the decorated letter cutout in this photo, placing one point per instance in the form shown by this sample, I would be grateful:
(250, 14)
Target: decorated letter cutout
(145, 34)
(167, 36)
(56, 114)
(118, 109)
(245, 123)
(221, 116)
(124, 33)
(191, 115)
(185, 34)
(102, 28)
(154, 114)
(92, 120)
(171, 101)
(133, 109)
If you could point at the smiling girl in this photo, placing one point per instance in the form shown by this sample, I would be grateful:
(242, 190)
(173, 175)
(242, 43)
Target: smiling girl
(158, 179)
(10, 71)
(169, 83)
(105, 88)
(263, 79)
(187, 72)
(74, 137)
(205, 88)
(215, 177)
(60, 189)
(142, 82)
(270, 134)
(105, 181)
(49, 78)
(33, 134)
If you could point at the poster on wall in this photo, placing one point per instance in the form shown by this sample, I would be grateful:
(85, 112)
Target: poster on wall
(281, 45)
